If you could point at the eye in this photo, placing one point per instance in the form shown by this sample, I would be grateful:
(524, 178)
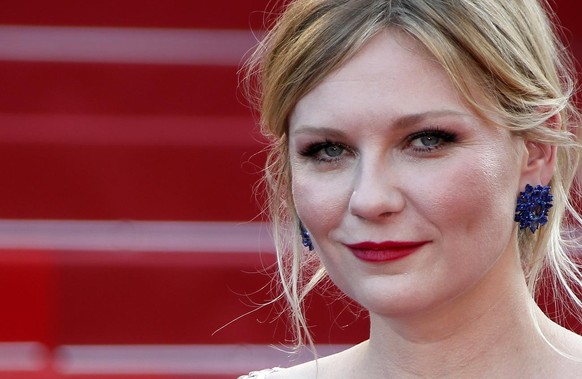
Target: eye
(327, 151)
(333, 151)
(429, 140)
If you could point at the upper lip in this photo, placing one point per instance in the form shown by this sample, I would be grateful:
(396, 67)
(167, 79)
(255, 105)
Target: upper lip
(385, 245)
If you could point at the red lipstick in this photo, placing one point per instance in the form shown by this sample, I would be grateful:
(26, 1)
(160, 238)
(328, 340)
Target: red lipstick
(385, 251)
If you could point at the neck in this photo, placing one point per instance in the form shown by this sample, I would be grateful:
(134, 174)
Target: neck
(487, 331)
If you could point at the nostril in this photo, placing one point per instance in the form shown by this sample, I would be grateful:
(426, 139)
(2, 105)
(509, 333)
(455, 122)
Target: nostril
(378, 202)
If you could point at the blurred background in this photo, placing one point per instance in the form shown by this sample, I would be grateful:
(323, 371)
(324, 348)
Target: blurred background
(131, 237)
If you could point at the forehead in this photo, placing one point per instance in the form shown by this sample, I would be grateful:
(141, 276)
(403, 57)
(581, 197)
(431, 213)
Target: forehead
(391, 75)
(388, 50)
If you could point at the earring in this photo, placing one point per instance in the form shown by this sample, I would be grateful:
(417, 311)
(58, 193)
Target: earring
(532, 207)
(306, 237)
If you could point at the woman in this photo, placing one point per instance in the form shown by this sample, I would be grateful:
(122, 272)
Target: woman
(404, 134)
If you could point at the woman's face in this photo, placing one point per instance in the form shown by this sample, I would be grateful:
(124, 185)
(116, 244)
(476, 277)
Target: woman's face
(408, 196)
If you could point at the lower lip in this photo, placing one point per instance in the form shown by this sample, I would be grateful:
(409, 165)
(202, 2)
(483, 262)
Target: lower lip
(385, 255)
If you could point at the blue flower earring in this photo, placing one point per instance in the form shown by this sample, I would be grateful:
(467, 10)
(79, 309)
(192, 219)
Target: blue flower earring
(532, 207)
(306, 237)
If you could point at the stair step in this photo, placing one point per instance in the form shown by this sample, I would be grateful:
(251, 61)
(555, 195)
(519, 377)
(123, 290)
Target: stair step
(146, 168)
(141, 13)
(120, 89)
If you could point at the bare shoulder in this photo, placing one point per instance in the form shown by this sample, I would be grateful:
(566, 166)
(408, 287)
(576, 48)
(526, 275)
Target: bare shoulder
(570, 342)
(567, 357)
(305, 370)
(262, 374)
(333, 366)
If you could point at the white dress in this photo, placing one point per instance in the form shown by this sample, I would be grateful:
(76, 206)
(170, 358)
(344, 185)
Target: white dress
(260, 374)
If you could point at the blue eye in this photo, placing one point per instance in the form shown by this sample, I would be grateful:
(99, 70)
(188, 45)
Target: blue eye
(333, 151)
(429, 140)
(327, 151)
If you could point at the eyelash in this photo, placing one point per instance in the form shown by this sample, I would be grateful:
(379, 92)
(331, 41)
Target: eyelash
(315, 150)
(444, 138)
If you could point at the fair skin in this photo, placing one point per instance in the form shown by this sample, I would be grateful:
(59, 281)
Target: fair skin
(384, 149)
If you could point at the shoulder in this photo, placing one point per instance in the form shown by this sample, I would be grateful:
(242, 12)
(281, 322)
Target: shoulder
(329, 367)
(302, 371)
(263, 374)
(565, 352)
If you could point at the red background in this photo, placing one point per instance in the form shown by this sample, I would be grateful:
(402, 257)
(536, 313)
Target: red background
(146, 142)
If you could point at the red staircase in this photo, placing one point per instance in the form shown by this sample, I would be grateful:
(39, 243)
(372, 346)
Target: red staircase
(131, 239)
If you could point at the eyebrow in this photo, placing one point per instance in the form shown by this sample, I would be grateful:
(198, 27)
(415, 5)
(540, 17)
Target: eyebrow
(323, 130)
(416, 118)
(400, 123)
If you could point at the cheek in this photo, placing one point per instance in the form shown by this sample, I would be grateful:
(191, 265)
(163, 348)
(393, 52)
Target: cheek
(320, 200)
(477, 199)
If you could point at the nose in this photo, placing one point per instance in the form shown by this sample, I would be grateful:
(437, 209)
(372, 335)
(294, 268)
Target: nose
(376, 194)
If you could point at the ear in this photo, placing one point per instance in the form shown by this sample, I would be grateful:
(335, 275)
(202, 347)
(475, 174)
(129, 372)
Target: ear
(539, 160)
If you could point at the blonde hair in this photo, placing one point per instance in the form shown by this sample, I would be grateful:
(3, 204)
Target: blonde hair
(510, 49)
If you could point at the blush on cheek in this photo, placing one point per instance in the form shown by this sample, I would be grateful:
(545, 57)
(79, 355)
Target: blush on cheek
(476, 197)
(320, 204)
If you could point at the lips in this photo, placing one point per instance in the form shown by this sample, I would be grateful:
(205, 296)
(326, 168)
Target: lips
(385, 251)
